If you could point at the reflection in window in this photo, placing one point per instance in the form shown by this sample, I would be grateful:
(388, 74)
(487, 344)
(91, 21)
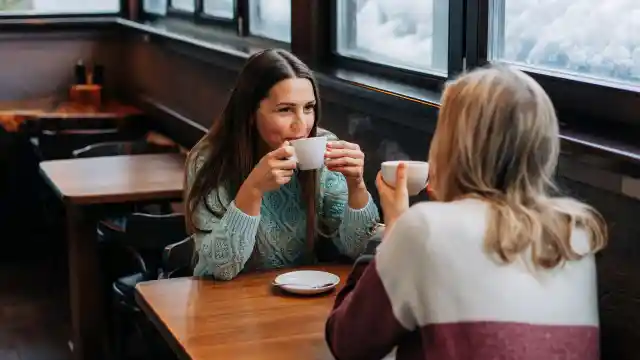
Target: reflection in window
(219, 8)
(271, 19)
(157, 7)
(184, 5)
(594, 38)
(59, 6)
(411, 34)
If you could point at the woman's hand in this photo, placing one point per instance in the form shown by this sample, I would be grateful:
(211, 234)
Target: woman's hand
(394, 201)
(274, 170)
(347, 159)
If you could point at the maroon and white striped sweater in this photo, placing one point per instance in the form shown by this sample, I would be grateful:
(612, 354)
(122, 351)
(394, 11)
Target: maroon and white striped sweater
(431, 293)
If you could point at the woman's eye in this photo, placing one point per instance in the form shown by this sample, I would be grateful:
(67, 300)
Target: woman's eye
(309, 108)
(285, 109)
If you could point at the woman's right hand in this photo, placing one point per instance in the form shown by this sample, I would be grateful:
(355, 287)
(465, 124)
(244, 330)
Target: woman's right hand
(274, 169)
(394, 200)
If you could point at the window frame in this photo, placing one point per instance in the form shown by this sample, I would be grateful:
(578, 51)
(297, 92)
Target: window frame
(239, 24)
(171, 11)
(427, 80)
(579, 103)
(144, 15)
(248, 33)
(10, 16)
(203, 18)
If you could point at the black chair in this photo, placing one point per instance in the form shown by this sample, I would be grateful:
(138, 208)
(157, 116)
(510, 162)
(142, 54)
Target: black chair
(130, 321)
(141, 237)
(60, 144)
(178, 259)
(130, 252)
(123, 148)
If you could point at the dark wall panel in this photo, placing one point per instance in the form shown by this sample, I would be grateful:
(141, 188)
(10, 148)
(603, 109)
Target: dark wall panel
(35, 67)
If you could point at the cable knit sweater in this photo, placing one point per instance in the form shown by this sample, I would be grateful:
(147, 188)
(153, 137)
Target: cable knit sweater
(226, 243)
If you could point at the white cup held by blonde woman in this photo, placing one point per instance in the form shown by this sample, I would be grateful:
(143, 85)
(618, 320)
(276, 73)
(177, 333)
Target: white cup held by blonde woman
(417, 174)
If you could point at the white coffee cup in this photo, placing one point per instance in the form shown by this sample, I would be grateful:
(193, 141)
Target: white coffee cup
(309, 152)
(417, 174)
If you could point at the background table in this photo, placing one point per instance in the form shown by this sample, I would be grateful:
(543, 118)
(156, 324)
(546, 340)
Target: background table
(83, 184)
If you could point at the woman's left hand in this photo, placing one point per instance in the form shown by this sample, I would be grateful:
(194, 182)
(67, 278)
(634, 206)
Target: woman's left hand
(346, 158)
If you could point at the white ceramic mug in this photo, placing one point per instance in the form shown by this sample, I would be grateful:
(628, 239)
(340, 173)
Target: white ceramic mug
(309, 152)
(417, 174)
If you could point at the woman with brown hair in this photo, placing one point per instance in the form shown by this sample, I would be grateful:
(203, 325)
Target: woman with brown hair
(246, 202)
(497, 266)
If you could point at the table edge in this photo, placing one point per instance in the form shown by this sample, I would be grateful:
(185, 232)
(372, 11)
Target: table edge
(51, 184)
(90, 199)
(122, 198)
(162, 328)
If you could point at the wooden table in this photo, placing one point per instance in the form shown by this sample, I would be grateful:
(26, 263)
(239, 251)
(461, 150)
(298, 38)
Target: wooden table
(11, 120)
(83, 184)
(240, 319)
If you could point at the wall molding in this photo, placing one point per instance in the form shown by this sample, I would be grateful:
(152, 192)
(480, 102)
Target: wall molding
(169, 122)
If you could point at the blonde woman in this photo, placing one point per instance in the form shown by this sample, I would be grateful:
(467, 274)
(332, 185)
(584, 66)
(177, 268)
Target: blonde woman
(497, 267)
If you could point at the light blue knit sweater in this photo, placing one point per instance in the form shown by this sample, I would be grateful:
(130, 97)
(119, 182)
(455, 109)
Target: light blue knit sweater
(279, 232)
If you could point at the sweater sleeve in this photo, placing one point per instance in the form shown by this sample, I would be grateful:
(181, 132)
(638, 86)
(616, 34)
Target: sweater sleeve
(350, 228)
(224, 243)
(377, 306)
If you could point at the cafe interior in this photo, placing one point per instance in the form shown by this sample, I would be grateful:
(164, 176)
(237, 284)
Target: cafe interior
(101, 101)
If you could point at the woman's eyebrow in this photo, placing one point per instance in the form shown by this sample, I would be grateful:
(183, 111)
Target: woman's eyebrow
(286, 103)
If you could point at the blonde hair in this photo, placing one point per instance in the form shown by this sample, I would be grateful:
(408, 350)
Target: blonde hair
(497, 139)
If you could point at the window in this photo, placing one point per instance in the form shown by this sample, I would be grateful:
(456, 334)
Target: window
(224, 9)
(592, 39)
(271, 19)
(156, 7)
(59, 6)
(411, 34)
(184, 5)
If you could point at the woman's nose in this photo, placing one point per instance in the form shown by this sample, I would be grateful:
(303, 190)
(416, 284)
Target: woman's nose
(297, 125)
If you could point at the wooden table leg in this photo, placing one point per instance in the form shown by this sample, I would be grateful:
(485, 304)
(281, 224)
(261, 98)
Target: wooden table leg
(87, 311)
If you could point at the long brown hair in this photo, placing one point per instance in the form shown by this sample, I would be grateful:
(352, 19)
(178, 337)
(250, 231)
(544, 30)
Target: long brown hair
(232, 144)
(497, 139)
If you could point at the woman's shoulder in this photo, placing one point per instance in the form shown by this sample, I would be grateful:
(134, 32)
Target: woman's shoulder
(197, 156)
(447, 212)
(439, 223)
(216, 198)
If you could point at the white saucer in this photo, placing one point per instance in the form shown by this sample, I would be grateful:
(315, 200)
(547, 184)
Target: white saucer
(306, 282)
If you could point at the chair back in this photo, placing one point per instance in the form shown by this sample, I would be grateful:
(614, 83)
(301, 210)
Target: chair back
(148, 235)
(123, 148)
(177, 259)
(102, 149)
(61, 144)
(154, 232)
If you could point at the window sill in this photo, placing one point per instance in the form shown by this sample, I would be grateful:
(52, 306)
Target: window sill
(367, 93)
(53, 22)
